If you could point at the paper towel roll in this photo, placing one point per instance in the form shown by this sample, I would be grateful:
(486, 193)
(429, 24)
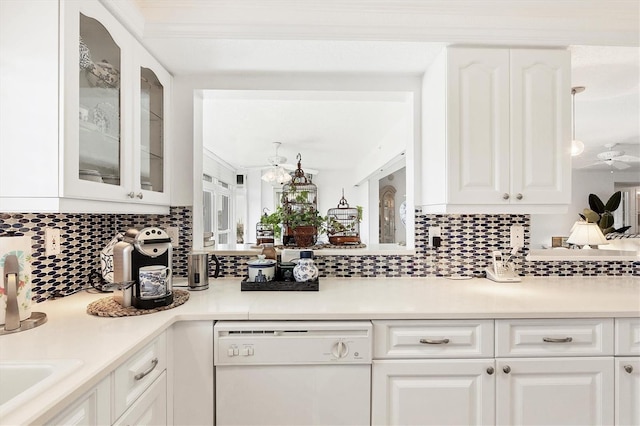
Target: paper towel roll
(21, 247)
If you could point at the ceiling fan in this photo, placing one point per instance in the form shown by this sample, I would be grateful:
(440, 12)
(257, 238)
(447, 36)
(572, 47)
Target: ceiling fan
(615, 158)
(280, 161)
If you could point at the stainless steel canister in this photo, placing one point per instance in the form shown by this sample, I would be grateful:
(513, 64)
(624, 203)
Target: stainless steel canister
(198, 269)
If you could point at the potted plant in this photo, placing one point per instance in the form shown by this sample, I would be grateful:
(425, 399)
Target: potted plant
(305, 223)
(274, 220)
(602, 213)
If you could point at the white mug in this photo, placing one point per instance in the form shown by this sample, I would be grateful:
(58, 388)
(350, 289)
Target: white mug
(154, 280)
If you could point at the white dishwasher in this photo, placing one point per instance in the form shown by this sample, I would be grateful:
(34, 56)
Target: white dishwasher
(293, 372)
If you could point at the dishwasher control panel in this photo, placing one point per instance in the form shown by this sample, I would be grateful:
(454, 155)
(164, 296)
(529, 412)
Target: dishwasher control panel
(292, 342)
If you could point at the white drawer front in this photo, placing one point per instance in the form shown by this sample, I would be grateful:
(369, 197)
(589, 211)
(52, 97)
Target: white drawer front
(628, 336)
(433, 339)
(554, 337)
(133, 377)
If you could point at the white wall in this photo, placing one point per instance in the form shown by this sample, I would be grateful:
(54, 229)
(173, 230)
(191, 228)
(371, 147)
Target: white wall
(601, 183)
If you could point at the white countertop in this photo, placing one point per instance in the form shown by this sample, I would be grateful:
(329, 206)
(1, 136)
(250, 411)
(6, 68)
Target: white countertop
(104, 343)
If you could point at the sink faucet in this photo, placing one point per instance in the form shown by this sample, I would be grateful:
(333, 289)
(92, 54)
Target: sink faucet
(11, 271)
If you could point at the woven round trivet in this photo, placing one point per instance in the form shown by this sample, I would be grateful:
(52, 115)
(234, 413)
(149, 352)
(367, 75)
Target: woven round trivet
(107, 307)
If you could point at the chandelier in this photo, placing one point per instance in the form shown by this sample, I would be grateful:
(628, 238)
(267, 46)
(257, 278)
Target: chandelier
(276, 174)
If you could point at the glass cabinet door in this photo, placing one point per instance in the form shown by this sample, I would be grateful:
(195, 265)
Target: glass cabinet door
(151, 131)
(99, 104)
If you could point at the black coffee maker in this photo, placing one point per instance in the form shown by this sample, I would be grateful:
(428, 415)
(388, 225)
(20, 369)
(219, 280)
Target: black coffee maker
(149, 248)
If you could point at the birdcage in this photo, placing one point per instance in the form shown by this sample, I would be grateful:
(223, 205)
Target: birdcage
(264, 231)
(343, 223)
(299, 199)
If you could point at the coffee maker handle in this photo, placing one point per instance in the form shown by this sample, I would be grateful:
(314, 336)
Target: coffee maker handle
(217, 262)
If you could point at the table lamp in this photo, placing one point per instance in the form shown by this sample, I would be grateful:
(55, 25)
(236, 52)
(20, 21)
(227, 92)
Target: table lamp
(586, 234)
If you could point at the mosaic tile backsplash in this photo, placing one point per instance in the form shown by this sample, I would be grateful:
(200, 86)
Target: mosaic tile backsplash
(83, 236)
(467, 243)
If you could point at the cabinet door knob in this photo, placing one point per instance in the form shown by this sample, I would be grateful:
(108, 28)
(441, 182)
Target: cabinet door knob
(131, 194)
(140, 195)
(519, 196)
(628, 369)
(505, 196)
(506, 369)
(490, 370)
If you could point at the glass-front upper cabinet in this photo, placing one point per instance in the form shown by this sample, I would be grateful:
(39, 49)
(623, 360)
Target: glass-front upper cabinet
(115, 97)
(99, 104)
(151, 126)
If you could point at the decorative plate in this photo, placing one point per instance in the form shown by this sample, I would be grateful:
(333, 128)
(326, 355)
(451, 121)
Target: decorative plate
(106, 258)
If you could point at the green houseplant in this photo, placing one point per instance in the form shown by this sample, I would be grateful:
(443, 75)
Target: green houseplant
(602, 213)
(274, 220)
(306, 223)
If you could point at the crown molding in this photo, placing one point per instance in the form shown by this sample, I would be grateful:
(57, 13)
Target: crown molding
(528, 22)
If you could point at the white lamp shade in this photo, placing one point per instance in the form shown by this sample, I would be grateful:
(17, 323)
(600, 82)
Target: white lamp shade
(586, 234)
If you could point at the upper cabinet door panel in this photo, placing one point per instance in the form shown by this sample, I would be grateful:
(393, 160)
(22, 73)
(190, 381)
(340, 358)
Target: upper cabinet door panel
(478, 125)
(151, 171)
(96, 49)
(540, 131)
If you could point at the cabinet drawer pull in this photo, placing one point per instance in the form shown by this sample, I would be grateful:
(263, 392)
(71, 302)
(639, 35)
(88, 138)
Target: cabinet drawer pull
(506, 369)
(140, 376)
(490, 370)
(519, 197)
(434, 341)
(131, 194)
(556, 340)
(140, 195)
(628, 369)
(505, 196)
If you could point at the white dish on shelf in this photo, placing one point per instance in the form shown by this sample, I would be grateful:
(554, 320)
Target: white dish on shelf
(111, 179)
(91, 175)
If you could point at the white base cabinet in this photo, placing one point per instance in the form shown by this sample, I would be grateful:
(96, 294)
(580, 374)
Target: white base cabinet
(627, 397)
(91, 409)
(150, 409)
(433, 392)
(627, 366)
(543, 372)
(193, 373)
(135, 393)
(554, 391)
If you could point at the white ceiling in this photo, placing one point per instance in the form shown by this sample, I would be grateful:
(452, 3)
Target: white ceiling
(399, 36)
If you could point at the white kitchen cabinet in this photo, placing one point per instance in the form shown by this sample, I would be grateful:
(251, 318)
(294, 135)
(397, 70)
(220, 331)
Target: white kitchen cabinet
(192, 373)
(97, 146)
(151, 408)
(627, 371)
(91, 409)
(554, 371)
(433, 392)
(433, 372)
(554, 391)
(132, 378)
(627, 393)
(496, 131)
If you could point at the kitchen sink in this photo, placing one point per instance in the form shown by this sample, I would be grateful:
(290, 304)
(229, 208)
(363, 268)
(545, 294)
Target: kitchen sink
(22, 380)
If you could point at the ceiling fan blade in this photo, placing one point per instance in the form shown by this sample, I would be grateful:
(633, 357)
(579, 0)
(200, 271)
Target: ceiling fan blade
(627, 158)
(597, 163)
(288, 166)
(620, 165)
